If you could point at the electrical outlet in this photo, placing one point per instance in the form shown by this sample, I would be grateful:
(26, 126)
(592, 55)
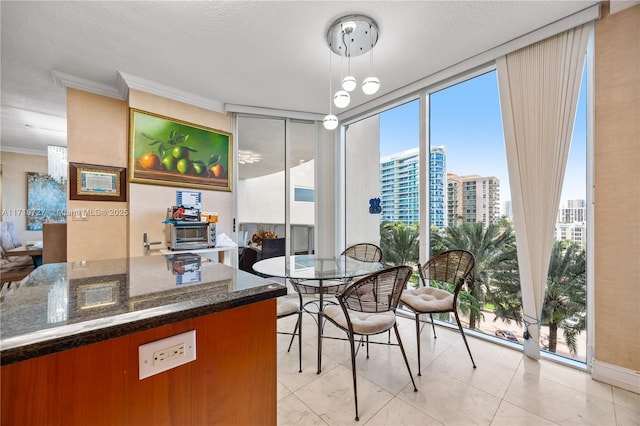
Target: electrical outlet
(169, 354)
(165, 354)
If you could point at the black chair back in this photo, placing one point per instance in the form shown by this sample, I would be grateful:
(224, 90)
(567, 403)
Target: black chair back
(272, 247)
(247, 259)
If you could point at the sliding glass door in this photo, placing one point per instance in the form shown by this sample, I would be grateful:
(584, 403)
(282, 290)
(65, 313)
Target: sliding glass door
(276, 182)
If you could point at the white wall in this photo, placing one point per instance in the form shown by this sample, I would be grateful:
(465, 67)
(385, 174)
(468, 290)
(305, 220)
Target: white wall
(362, 181)
(262, 198)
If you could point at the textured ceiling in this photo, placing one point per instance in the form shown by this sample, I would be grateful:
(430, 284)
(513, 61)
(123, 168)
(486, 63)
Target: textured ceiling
(258, 53)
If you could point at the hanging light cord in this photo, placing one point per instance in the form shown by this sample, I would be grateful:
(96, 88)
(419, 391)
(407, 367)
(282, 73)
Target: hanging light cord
(330, 85)
(347, 50)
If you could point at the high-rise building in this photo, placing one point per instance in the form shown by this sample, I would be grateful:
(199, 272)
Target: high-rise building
(472, 199)
(571, 224)
(438, 186)
(399, 179)
(399, 186)
(507, 209)
(574, 212)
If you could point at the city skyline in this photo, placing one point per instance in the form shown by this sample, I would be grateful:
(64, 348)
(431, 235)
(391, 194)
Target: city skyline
(466, 119)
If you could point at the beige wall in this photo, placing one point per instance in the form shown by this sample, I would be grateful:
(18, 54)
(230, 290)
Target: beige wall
(96, 134)
(14, 190)
(148, 203)
(617, 188)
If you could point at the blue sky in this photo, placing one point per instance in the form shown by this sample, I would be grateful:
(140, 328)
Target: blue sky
(466, 119)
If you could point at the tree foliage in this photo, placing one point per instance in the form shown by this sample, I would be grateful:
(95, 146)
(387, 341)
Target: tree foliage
(491, 248)
(495, 278)
(565, 296)
(400, 243)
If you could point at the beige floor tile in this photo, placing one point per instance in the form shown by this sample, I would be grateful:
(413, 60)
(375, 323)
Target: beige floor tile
(451, 401)
(566, 376)
(626, 399)
(291, 411)
(496, 365)
(507, 388)
(558, 403)
(399, 413)
(331, 397)
(282, 391)
(510, 415)
(626, 416)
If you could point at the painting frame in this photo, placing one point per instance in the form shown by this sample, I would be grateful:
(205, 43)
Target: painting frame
(172, 152)
(92, 182)
(46, 200)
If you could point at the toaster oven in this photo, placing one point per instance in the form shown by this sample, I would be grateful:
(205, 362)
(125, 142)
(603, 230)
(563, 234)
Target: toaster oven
(191, 235)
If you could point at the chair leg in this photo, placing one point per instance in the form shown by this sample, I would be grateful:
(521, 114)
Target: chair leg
(464, 337)
(433, 326)
(353, 371)
(404, 355)
(367, 347)
(293, 335)
(300, 342)
(418, 341)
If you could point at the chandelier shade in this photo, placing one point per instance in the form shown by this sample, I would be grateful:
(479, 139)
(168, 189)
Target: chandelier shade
(341, 99)
(370, 85)
(330, 122)
(349, 83)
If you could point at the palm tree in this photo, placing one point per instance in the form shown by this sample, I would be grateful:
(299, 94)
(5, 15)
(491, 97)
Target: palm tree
(491, 248)
(565, 296)
(400, 243)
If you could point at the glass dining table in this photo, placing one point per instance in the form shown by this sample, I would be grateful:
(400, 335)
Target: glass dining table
(310, 274)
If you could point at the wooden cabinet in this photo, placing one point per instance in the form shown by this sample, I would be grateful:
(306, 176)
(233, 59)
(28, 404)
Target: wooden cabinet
(232, 381)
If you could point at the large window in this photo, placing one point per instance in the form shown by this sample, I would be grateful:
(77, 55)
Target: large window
(465, 122)
(467, 204)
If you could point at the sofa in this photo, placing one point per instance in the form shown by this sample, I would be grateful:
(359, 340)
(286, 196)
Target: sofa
(12, 268)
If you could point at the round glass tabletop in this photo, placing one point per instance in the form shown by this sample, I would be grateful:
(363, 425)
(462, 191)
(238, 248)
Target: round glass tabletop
(310, 267)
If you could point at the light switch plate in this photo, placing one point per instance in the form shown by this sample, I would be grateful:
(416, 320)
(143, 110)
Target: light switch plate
(165, 354)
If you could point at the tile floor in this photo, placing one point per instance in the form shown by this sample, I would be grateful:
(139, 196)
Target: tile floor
(506, 388)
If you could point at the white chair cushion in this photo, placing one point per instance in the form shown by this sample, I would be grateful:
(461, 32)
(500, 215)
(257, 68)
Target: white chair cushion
(363, 322)
(427, 299)
(287, 306)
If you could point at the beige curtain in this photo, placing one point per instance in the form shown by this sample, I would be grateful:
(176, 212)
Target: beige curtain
(539, 88)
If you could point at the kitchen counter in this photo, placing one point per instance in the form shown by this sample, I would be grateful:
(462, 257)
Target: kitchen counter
(63, 306)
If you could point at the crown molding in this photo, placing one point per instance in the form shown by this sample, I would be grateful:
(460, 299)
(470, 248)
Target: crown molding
(65, 80)
(272, 112)
(616, 6)
(139, 83)
(27, 151)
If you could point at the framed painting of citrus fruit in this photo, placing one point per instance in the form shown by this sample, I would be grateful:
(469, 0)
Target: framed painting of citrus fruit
(166, 151)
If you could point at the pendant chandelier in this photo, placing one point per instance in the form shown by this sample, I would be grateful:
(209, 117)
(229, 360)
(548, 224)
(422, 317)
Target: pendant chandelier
(350, 36)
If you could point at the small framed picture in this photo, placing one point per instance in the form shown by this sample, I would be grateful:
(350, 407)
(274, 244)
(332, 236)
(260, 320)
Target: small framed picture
(102, 294)
(91, 182)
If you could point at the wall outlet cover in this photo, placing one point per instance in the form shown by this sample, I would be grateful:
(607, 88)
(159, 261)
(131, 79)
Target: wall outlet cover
(162, 355)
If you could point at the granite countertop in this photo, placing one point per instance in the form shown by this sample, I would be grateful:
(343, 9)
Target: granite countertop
(61, 306)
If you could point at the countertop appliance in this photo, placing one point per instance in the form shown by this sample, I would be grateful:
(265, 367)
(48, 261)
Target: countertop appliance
(185, 235)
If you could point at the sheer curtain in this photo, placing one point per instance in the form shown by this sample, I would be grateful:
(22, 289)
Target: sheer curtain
(539, 88)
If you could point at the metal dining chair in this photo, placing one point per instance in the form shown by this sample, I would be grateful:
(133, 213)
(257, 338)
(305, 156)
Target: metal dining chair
(452, 267)
(287, 306)
(367, 307)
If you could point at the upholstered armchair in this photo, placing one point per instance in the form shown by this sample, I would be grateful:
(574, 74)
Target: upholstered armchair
(12, 268)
